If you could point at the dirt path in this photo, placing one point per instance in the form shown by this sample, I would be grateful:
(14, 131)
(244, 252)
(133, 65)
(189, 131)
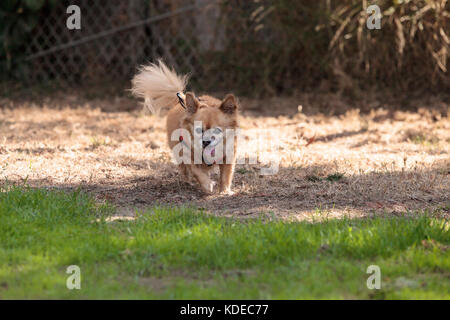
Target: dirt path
(329, 166)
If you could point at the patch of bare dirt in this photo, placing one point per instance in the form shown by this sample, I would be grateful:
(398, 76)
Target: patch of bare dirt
(350, 164)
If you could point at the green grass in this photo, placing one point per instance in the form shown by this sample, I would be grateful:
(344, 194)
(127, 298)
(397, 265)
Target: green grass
(180, 253)
(331, 178)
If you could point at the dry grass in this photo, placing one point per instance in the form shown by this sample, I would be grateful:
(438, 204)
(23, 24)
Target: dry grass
(352, 164)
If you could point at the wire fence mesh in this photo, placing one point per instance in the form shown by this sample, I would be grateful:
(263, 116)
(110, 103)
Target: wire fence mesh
(193, 36)
(251, 47)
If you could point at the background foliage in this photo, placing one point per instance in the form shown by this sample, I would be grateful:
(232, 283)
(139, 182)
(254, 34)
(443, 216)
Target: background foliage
(327, 43)
(18, 19)
(266, 47)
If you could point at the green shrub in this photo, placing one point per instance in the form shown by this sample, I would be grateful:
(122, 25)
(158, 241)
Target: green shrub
(18, 18)
(289, 45)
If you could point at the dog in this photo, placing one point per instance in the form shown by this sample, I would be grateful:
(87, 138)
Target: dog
(192, 119)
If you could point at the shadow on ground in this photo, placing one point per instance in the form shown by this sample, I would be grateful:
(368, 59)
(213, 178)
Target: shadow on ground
(349, 164)
(303, 195)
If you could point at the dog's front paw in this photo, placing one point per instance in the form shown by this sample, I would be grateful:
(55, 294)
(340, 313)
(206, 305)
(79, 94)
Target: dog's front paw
(226, 192)
(208, 187)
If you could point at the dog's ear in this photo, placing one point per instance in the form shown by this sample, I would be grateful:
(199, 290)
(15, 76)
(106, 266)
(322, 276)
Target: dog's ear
(191, 102)
(229, 104)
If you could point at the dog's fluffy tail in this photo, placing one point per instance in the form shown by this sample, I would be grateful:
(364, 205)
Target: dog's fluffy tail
(158, 85)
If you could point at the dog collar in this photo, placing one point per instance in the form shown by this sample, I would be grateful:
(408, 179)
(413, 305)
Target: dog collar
(181, 101)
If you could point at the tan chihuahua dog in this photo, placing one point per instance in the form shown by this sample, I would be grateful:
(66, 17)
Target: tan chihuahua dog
(192, 119)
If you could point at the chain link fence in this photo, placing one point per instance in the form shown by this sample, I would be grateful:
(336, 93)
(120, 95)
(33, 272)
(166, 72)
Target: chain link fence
(251, 47)
(193, 36)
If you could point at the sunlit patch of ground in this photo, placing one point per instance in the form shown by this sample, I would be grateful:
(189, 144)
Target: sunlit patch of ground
(353, 164)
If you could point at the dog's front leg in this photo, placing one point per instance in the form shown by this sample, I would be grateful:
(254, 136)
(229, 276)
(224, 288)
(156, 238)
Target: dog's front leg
(203, 179)
(226, 178)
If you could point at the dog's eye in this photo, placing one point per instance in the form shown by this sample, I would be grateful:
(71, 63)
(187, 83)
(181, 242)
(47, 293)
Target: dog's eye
(199, 130)
(217, 131)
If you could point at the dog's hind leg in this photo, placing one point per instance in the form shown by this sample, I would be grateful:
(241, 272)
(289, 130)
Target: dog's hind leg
(185, 174)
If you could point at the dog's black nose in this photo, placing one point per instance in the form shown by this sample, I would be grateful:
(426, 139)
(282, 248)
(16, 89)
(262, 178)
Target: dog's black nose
(206, 143)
